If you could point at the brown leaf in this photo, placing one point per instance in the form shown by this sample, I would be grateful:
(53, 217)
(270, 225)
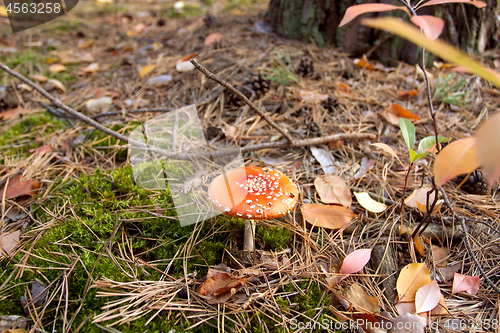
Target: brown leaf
(213, 38)
(411, 278)
(420, 195)
(440, 255)
(333, 190)
(8, 114)
(343, 88)
(360, 300)
(325, 216)
(41, 150)
(221, 287)
(394, 111)
(8, 241)
(19, 188)
(363, 63)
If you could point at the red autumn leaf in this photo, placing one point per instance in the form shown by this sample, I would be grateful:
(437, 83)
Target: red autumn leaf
(19, 188)
(457, 158)
(466, 283)
(431, 26)
(478, 4)
(354, 11)
(427, 297)
(41, 150)
(395, 111)
(355, 261)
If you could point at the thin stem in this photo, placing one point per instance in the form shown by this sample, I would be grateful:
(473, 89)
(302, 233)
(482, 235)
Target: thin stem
(404, 189)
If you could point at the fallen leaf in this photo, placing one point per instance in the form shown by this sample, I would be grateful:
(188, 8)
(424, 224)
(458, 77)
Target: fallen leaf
(213, 38)
(360, 300)
(221, 287)
(465, 283)
(411, 278)
(387, 149)
(406, 323)
(333, 190)
(58, 84)
(8, 114)
(459, 157)
(441, 309)
(420, 195)
(99, 105)
(354, 11)
(366, 165)
(367, 322)
(99, 93)
(368, 203)
(25, 87)
(39, 78)
(51, 60)
(355, 261)
(38, 297)
(84, 44)
(69, 59)
(427, 297)
(91, 68)
(407, 307)
(423, 208)
(19, 188)
(41, 150)
(343, 88)
(419, 244)
(160, 80)
(395, 111)
(8, 241)
(488, 146)
(440, 255)
(432, 26)
(449, 271)
(324, 158)
(363, 63)
(146, 70)
(326, 216)
(57, 68)
(406, 93)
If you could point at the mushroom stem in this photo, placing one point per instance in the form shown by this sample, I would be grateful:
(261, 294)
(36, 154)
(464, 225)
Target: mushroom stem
(249, 242)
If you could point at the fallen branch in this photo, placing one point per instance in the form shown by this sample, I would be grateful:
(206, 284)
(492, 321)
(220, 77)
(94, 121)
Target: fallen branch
(290, 143)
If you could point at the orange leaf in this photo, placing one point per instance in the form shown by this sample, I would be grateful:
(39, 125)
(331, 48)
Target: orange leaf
(478, 4)
(395, 111)
(431, 26)
(411, 278)
(488, 146)
(189, 57)
(360, 300)
(459, 157)
(333, 190)
(355, 261)
(354, 11)
(41, 150)
(427, 297)
(419, 244)
(325, 216)
(19, 188)
(343, 88)
(466, 283)
(406, 93)
(363, 63)
(7, 114)
(214, 38)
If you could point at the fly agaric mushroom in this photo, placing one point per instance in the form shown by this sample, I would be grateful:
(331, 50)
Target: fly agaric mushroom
(253, 193)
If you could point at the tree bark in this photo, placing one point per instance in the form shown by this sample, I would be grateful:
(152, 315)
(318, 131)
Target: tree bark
(472, 29)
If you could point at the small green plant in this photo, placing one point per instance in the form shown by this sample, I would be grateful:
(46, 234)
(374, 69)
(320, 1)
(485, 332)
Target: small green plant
(283, 72)
(454, 94)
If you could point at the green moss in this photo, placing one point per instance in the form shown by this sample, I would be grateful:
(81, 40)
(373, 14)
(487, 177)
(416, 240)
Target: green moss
(274, 238)
(23, 62)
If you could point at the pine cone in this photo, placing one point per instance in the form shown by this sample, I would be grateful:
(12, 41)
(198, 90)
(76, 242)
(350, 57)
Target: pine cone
(305, 67)
(259, 84)
(475, 183)
(232, 99)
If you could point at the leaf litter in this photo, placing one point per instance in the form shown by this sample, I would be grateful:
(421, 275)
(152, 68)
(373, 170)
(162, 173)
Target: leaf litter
(348, 96)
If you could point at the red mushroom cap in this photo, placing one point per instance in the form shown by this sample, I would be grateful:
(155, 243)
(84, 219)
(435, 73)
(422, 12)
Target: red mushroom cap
(253, 193)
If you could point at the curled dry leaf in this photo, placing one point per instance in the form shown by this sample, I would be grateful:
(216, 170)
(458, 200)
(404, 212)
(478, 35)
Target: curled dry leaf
(459, 157)
(355, 261)
(366, 165)
(146, 70)
(420, 195)
(57, 68)
(411, 278)
(360, 300)
(8, 241)
(328, 217)
(368, 203)
(92, 68)
(395, 111)
(324, 158)
(432, 26)
(342, 87)
(41, 150)
(419, 244)
(19, 188)
(39, 78)
(221, 287)
(465, 283)
(488, 146)
(387, 149)
(427, 297)
(58, 84)
(99, 105)
(333, 190)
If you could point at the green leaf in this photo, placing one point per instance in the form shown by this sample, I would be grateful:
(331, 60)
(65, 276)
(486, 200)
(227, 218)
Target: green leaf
(414, 156)
(408, 130)
(428, 142)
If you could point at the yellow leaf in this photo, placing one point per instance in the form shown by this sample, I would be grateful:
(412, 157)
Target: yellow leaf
(51, 60)
(411, 279)
(457, 158)
(488, 146)
(3, 11)
(58, 84)
(438, 47)
(369, 204)
(329, 217)
(146, 70)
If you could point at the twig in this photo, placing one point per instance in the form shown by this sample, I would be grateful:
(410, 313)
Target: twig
(186, 156)
(238, 93)
(467, 242)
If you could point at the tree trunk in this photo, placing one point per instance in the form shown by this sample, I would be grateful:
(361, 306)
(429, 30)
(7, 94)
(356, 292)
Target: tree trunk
(473, 30)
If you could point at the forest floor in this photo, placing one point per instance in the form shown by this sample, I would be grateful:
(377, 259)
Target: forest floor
(90, 250)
